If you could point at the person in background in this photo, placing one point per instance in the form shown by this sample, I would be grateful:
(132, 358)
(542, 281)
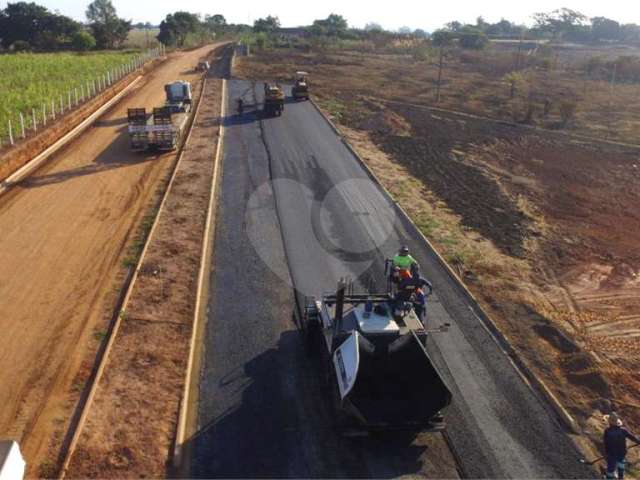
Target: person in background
(615, 445)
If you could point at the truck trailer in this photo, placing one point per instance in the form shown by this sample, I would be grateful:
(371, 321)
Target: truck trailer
(164, 127)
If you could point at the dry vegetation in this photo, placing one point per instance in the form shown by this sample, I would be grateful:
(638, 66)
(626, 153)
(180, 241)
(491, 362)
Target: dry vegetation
(539, 224)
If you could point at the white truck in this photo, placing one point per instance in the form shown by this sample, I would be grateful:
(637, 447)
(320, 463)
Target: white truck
(12, 464)
(165, 127)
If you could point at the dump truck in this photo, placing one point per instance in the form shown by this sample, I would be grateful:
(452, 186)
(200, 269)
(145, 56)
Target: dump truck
(380, 373)
(164, 127)
(273, 100)
(300, 89)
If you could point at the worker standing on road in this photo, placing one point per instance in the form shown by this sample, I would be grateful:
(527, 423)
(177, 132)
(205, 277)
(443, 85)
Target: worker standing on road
(615, 445)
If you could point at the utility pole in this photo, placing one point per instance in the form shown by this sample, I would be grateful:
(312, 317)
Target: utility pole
(613, 84)
(439, 73)
(518, 56)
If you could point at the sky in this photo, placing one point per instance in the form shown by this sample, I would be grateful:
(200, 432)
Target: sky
(390, 14)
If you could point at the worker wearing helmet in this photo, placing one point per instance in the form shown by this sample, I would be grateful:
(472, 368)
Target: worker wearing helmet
(403, 260)
(615, 445)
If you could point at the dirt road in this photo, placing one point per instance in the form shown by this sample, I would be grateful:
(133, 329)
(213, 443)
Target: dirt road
(63, 237)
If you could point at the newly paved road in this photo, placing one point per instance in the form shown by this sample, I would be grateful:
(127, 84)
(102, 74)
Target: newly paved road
(297, 209)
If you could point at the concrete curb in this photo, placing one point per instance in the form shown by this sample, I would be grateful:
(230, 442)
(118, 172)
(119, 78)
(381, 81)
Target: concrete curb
(116, 326)
(501, 340)
(40, 159)
(201, 295)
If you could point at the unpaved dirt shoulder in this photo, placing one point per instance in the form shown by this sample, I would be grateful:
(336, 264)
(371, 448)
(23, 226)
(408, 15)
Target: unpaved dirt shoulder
(131, 425)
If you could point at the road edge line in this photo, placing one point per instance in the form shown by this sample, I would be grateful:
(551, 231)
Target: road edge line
(201, 295)
(114, 329)
(498, 337)
(37, 161)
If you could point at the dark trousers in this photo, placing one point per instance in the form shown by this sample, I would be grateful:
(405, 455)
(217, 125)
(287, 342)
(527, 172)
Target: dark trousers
(613, 463)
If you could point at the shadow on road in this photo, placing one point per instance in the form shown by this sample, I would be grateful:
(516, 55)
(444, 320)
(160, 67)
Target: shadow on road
(282, 426)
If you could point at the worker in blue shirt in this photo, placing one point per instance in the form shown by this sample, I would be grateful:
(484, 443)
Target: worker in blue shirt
(414, 289)
(615, 445)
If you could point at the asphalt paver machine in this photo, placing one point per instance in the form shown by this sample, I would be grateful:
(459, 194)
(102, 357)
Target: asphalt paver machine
(380, 373)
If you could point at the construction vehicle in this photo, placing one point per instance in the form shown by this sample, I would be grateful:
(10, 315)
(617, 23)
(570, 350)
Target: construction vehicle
(300, 89)
(12, 464)
(178, 96)
(164, 128)
(273, 100)
(379, 370)
(202, 67)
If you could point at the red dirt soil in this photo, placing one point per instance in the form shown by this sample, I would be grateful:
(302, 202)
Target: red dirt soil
(131, 424)
(65, 232)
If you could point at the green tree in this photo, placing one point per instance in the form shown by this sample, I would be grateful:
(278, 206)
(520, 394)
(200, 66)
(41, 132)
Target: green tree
(215, 23)
(442, 38)
(176, 27)
(83, 40)
(454, 26)
(559, 22)
(36, 25)
(108, 29)
(334, 26)
(472, 38)
(605, 29)
(20, 46)
(266, 25)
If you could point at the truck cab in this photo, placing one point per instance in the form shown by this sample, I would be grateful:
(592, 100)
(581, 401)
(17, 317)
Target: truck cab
(178, 96)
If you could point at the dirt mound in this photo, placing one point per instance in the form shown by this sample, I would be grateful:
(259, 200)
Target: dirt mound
(386, 122)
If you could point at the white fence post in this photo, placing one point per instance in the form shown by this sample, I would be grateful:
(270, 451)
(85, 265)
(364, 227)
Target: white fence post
(35, 123)
(76, 92)
(10, 133)
(81, 93)
(44, 114)
(108, 78)
(53, 109)
(69, 102)
(22, 124)
(61, 105)
(94, 87)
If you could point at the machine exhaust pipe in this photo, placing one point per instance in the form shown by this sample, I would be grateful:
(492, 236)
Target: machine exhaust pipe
(340, 299)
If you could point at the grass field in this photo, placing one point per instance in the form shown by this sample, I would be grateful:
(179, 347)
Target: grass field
(28, 80)
(142, 38)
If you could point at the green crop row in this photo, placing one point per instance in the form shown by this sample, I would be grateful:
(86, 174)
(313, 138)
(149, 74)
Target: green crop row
(30, 80)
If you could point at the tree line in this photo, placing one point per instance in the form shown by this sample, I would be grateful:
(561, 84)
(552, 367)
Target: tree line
(178, 27)
(560, 24)
(29, 26)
